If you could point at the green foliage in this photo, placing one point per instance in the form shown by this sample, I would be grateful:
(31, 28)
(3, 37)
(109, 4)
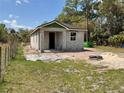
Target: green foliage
(75, 11)
(117, 40)
(88, 44)
(23, 35)
(88, 8)
(71, 7)
(80, 13)
(103, 19)
(72, 14)
(3, 33)
(109, 22)
(10, 35)
(7, 35)
(112, 13)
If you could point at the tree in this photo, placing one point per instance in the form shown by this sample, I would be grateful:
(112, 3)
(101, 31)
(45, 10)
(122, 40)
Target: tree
(23, 35)
(113, 13)
(109, 21)
(102, 19)
(3, 33)
(89, 9)
(71, 13)
(80, 13)
(71, 7)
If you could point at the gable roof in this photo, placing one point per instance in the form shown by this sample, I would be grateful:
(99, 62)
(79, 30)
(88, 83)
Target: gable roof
(52, 22)
(64, 25)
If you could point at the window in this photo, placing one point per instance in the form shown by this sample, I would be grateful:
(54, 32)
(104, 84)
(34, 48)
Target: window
(73, 36)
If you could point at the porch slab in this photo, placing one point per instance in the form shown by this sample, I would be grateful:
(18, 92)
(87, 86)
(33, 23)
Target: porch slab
(51, 51)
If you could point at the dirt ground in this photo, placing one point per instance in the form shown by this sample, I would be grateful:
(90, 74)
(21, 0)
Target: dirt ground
(111, 60)
(82, 55)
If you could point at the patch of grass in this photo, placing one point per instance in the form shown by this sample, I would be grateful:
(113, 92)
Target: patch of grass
(67, 76)
(110, 49)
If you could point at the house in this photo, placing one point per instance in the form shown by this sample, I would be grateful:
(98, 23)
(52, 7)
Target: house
(58, 36)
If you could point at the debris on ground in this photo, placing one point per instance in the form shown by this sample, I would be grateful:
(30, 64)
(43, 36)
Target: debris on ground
(71, 70)
(112, 60)
(95, 57)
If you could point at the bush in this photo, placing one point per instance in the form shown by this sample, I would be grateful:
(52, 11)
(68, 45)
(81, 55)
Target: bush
(117, 40)
(88, 44)
(3, 33)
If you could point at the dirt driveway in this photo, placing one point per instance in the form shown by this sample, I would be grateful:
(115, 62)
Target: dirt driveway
(82, 55)
(111, 60)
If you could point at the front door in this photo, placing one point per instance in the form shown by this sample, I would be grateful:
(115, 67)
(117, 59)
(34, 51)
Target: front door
(51, 40)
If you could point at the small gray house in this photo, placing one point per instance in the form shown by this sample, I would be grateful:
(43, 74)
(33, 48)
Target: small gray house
(57, 36)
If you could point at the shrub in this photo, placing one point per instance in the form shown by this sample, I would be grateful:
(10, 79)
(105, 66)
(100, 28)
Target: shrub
(117, 40)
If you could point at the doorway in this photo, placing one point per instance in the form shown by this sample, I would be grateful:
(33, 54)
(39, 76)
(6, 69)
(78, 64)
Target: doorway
(51, 40)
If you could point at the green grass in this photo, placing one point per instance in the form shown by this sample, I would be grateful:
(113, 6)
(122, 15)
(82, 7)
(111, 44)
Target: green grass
(110, 49)
(66, 77)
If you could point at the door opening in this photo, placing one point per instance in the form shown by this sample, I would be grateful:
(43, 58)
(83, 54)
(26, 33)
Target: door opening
(51, 40)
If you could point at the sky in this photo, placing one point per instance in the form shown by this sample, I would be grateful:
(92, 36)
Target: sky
(29, 13)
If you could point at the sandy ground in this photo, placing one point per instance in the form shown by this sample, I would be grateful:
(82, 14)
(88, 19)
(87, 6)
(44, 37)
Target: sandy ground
(82, 55)
(111, 60)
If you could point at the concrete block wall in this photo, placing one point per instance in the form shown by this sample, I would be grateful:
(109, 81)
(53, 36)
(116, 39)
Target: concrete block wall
(76, 45)
(40, 40)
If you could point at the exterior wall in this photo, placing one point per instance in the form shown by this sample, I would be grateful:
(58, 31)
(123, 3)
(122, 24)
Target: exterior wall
(58, 37)
(35, 40)
(31, 40)
(64, 47)
(76, 45)
(38, 33)
(46, 38)
(40, 40)
(58, 40)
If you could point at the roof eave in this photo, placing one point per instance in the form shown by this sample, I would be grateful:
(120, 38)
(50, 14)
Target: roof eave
(67, 28)
(78, 29)
(34, 30)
